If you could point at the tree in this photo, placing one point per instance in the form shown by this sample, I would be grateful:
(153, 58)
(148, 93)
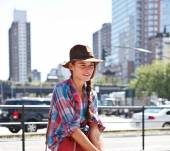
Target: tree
(29, 78)
(106, 80)
(153, 78)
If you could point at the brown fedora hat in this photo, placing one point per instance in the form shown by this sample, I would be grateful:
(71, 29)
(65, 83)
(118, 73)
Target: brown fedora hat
(81, 52)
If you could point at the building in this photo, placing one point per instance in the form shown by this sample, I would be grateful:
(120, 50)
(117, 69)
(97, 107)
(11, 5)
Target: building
(58, 74)
(52, 75)
(126, 33)
(97, 44)
(133, 23)
(164, 15)
(160, 46)
(36, 75)
(150, 20)
(19, 48)
(102, 44)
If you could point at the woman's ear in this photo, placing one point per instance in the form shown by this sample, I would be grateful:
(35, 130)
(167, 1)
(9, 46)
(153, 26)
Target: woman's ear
(70, 66)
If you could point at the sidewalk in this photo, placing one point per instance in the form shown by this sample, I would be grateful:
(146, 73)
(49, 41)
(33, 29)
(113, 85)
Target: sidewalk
(110, 143)
(118, 136)
(113, 123)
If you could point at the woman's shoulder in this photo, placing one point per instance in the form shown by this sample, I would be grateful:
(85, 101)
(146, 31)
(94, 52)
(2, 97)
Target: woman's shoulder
(61, 89)
(62, 86)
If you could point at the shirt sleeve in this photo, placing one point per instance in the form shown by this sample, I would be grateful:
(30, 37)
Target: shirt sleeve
(63, 118)
(94, 118)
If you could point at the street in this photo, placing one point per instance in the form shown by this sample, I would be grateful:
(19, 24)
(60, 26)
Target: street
(110, 122)
(112, 143)
(112, 140)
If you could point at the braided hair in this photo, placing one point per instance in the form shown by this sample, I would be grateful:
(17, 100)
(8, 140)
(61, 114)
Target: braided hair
(89, 93)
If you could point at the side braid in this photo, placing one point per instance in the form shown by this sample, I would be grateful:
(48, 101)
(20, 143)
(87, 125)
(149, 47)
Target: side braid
(88, 90)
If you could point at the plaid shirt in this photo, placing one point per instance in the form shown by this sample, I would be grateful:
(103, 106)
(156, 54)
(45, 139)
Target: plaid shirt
(67, 112)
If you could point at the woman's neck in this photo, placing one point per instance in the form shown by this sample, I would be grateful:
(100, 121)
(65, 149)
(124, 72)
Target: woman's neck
(78, 85)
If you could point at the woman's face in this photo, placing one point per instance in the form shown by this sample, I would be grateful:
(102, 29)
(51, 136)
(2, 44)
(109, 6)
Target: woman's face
(82, 70)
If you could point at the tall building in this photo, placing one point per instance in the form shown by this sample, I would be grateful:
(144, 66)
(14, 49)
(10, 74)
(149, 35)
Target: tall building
(164, 15)
(97, 44)
(126, 33)
(19, 48)
(150, 20)
(102, 43)
(133, 23)
(160, 46)
(35, 75)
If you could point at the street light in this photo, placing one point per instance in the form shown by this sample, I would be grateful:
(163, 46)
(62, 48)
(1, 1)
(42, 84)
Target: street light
(127, 59)
(2, 93)
(165, 27)
(134, 48)
(140, 50)
(127, 64)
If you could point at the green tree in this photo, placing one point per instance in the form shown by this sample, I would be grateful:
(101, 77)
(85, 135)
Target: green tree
(106, 80)
(153, 78)
(29, 78)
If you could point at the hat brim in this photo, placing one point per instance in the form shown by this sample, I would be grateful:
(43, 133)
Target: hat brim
(66, 64)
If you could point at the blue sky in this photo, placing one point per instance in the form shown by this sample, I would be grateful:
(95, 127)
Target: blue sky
(56, 25)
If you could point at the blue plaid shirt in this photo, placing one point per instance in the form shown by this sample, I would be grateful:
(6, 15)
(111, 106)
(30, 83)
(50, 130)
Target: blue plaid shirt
(67, 112)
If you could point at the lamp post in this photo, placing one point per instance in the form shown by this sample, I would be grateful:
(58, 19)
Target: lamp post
(2, 93)
(165, 27)
(12, 91)
(134, 48)
(141, 50)
(127, 63)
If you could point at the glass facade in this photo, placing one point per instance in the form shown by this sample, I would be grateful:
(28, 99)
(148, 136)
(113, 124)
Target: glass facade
(165, 15)
(124, 26)
(125, 32)
(133, 23)
(19, 48)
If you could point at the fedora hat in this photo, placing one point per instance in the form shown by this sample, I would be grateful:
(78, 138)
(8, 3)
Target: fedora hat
(81, 52)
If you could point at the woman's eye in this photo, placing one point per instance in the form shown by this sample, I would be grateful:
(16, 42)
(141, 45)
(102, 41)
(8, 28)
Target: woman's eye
(82, 66)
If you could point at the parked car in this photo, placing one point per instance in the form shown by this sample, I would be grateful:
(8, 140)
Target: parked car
(153, 117)
(107, 102)
(31, 114)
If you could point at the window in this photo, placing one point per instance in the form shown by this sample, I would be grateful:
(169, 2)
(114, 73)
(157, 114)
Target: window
(168, 113)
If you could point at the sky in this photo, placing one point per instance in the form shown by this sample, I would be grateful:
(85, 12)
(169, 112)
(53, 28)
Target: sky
(56, 25)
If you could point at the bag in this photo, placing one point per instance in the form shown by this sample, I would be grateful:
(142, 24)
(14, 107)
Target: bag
(68, 144)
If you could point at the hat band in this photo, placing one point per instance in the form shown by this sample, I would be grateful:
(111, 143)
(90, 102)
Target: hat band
(81, 58)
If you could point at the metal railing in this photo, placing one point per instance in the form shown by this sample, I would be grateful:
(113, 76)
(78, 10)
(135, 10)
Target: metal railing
(22, 122)
(142, 109)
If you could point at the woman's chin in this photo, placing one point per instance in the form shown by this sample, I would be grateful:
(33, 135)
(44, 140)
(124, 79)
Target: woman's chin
(85, 79)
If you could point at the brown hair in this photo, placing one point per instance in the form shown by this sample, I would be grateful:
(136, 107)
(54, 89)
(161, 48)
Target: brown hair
(88, 90)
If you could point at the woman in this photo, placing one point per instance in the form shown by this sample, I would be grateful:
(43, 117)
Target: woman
(73, 122)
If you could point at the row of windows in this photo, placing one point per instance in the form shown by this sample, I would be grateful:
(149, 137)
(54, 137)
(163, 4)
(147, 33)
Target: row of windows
(122, 4)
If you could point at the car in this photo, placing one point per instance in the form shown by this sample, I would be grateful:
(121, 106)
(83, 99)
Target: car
(107, 102)
(30, 114)
(153, 118)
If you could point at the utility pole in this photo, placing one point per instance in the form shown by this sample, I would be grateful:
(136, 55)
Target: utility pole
(2, 92)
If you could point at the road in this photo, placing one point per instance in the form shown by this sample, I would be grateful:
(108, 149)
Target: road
(112, 141)
(110, 122)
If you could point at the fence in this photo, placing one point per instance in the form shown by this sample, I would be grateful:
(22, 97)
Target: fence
(23, 122)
